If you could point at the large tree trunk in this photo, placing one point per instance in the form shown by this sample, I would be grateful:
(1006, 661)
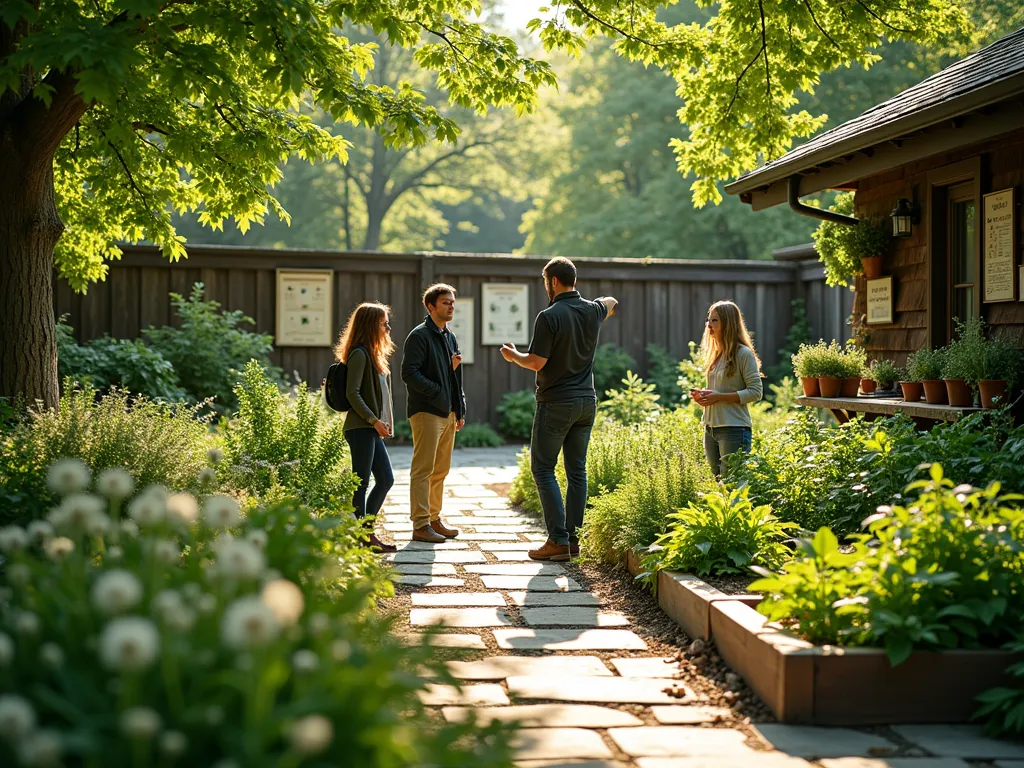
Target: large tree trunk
(29, 229)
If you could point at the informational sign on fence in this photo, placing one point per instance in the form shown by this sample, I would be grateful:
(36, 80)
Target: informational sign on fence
(1000, 247)
(305, 298)
(463, 325)
(505, 313)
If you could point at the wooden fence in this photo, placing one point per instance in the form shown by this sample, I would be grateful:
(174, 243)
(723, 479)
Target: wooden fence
(661, 301)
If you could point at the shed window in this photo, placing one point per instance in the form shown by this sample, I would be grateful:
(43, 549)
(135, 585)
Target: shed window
(962, 258)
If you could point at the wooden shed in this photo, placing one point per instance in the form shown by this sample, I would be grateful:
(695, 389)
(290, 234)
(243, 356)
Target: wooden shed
(951, 148)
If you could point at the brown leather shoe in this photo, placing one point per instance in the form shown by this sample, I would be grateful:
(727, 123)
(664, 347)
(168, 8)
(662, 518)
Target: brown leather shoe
(428, 534)
(550, 551)
(574, 549)
(379, 546)
(439, 527)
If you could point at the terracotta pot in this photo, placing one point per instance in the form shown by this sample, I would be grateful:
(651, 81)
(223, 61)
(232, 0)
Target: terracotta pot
(849, 388)
(810, 385)
(868, 386)
(935, 391)
(911, 390)
(872, 266)
(959, 393)
(830, 386)
(993, 393)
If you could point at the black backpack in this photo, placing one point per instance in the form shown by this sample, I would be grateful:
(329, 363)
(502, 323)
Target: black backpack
(336, 387)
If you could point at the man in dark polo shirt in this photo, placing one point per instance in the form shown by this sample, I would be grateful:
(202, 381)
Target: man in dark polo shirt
(562, 353)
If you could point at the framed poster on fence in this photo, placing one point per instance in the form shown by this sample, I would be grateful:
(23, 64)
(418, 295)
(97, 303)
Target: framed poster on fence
(305, 298)
(879, 301)
(463, 325)
(505, 313)
(999, 269)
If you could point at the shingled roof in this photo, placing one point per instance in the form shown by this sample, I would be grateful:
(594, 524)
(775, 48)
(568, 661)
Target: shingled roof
(985, 77)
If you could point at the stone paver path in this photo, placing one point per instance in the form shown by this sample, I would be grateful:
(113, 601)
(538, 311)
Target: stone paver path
(535, 647)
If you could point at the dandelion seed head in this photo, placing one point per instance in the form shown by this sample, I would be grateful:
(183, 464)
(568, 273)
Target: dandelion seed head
(248, 622)
(39, 531)
(129, 644)
(17, 718)
(42, 748)
(173, 743)
(67, 476)
(305, 662)
(166, 551)
(239, 559)
(13, 538)
(129, 528)
(26, 623)
(140, 723)
(115, 483)
(79, 510)
(311, 735)
(183, 508)
(51, 655)
(149, 508)
(258, 538)
(116, 591)
(284, 598)
(220, 511)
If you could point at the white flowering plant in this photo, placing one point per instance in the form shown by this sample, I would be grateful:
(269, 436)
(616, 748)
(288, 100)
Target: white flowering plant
(174, 630)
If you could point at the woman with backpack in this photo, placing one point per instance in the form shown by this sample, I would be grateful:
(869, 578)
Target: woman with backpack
(365, 347)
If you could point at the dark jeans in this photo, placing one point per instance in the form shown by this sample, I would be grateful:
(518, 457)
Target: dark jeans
(369, 456)
(719, 442)
(562, 427)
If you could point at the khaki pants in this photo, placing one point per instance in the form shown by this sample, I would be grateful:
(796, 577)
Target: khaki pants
(433, 439)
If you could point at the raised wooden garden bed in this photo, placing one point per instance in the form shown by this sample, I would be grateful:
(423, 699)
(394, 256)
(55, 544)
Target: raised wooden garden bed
(804, 683)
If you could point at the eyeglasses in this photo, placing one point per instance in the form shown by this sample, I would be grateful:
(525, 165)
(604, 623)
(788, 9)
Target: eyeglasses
(387, 325)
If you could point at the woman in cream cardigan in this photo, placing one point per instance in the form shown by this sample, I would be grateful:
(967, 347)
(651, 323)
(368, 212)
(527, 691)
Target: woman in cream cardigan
(734, 381)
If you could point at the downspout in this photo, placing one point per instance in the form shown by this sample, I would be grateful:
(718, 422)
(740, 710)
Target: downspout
(815, 213)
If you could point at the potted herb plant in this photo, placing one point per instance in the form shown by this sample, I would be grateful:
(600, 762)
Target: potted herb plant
(807, 366)
(854, 359)
(846, 250)
(925, 365)
(868, 384)
(964, 362)
(832, 370)
(911, 388)
(1000, 372)
(886, 374)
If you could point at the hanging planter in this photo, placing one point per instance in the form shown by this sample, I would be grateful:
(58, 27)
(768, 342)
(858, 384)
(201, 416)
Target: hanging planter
(872, 266)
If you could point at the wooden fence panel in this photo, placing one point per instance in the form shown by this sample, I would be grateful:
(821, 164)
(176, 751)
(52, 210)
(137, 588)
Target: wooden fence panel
(661, 302)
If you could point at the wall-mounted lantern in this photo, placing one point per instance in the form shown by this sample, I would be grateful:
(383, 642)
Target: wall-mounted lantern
(904, 216)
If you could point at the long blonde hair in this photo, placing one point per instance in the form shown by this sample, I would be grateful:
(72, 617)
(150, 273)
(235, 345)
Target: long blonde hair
(734, 335)
(365, 328)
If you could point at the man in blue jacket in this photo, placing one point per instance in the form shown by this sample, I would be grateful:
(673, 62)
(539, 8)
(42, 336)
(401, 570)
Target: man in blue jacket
(436, 407)
(562, 353)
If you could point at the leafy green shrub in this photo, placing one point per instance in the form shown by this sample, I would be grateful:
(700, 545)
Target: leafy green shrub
(812, 360)
(691, 372)
(155, 443)
(181, 637)
(720, 532)
(854, 361)
(515, 414)
(799, 334)
(1002, 361)
(477, 436)
(633, 403)
(127, 364)
(663, 470)
(208, 349)
(523, 492)
(611, 363)
(663, 373)
(402, 431)
(1004, 707)
(965, 355)
(278, 444)
(925, 364)
(942, 572)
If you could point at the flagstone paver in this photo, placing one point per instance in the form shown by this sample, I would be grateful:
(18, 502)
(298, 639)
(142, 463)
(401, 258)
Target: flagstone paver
(540, 619)
(541, 743)
(687, 715)
(608, 690)
(813, 742)
(459, 617)
(680, 741)
(429, 581)
(532, 583)
(441, 556)
(552, 599)
(425, 569)
(966, 741)
(501, 667)
(569, 639)
(656, 667)
(547, 715)
(486, 694)
(453, 599)
(580, 616)
(516, 569)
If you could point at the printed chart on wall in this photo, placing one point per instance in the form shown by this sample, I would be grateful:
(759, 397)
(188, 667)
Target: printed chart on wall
(463, 325)
(879, 301)
(304, 302)
(505, 313)
(1000, 248)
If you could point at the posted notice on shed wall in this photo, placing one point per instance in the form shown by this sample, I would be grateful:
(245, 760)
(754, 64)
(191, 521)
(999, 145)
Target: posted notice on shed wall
(999, 270)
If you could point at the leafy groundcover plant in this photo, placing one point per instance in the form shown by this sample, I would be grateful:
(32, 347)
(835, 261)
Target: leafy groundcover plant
(183, 632)
(720, 532)
(944, 571)
(478, 436)
(515, 414)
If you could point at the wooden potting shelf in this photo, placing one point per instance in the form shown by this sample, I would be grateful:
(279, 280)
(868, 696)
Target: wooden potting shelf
(843, 407)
